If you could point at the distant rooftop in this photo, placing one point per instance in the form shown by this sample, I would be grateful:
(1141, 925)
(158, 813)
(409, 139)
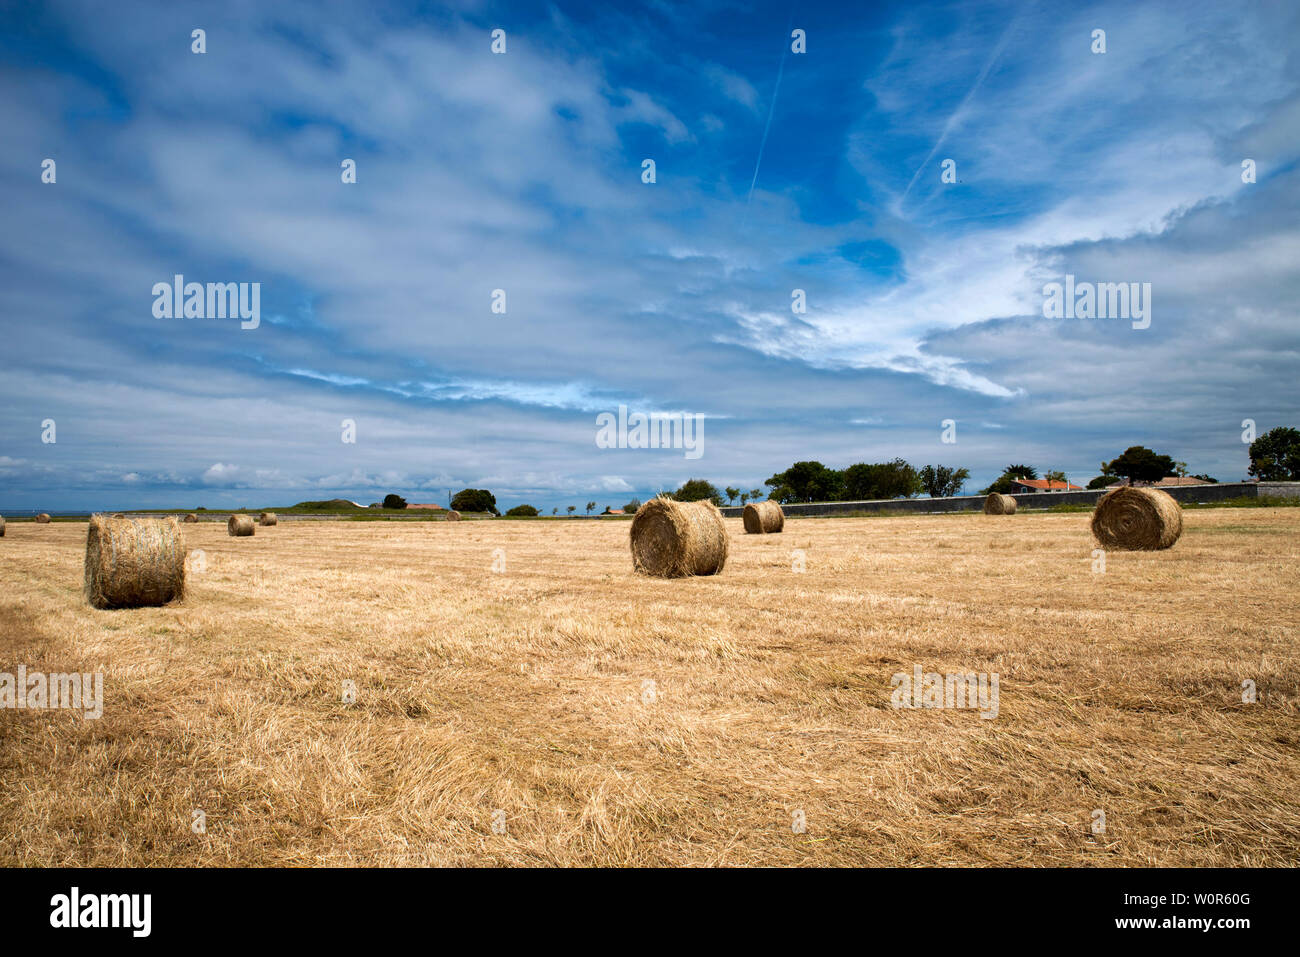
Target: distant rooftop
(1044, 485)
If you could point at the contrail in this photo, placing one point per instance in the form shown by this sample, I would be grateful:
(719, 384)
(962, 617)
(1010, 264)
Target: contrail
(952, 120)
(771, 109)
(767, 127)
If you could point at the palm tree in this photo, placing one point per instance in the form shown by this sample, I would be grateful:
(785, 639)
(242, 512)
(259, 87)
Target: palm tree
(590, 506)
(571, 508)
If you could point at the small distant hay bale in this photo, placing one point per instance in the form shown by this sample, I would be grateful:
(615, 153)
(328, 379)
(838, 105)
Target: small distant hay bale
(118, 515)
(452, 516)
(191, 518)
(240, 526)
(267, 518)
(997, 504)
(763, 518)
(2, 526)
(673, 539)
(43, 518)
(134, 562)
(1137, 519)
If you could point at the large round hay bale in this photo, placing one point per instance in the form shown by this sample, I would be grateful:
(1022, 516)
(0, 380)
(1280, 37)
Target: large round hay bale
(1137, 519)
(191, 518)
(266, 518)
(240, 525)
(763, 518)
(671, 539)
(133, 562)
(43, 518)
(997, 504)
(452, 516)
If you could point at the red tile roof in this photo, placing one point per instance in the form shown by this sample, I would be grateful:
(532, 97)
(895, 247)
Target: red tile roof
(1043, 485)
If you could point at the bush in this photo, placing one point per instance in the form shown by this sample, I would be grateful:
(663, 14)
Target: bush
(698, 490)
(475, 500)
(807, 481)
(394, 501)
(882, 480)
(522, 511)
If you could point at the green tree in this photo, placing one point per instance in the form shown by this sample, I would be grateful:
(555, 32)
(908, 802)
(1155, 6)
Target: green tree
(632, 507)
(590, 506)
(940, 481)
(806, 482)
(475, 500)
(1055, 477)
(732, 493)
(1101, 481)
(755, 494)
(1275, 455)
(526, 511)
(555, 511)
(698, 490)
(881, 480)
(744, 497)
(1003, 484)
(1140, 464)
(394, 501)
(572, 509)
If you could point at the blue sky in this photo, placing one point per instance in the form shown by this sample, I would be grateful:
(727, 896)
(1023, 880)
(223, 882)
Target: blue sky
(522, 172)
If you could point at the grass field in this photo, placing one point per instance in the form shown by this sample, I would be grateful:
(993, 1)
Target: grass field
(524, 691)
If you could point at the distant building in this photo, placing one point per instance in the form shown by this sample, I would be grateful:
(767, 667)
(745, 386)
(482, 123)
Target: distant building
(1023, 486)
(1164, 482)
(614, 511)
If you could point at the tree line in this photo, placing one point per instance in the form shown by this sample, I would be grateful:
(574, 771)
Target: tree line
(1274, 456)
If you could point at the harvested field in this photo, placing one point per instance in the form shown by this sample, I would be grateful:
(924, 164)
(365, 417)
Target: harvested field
(528, 692)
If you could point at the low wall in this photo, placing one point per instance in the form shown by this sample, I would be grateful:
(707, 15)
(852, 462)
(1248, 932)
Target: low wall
(1035, 500)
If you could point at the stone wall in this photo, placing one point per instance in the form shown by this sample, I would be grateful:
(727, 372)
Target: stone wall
(1035, 500)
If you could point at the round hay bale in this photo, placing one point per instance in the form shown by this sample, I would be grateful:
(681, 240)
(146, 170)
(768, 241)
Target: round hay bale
(2, 526)
(240, 526)
(452, 516)
(266, 518)
(134, 562)
(43, 518)
(118, 515)
(763, 518)
(672, 539)
(191, 518)
(997, 504)
(1137, 519)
